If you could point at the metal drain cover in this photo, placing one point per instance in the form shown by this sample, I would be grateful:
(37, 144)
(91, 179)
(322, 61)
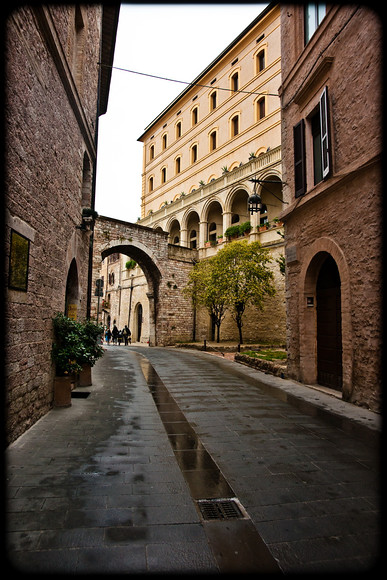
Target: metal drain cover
(221, 509)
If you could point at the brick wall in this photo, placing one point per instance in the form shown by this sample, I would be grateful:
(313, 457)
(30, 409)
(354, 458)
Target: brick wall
(44, 152)
(342, 214)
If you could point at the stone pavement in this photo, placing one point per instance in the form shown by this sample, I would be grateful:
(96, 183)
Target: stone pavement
(99, 488)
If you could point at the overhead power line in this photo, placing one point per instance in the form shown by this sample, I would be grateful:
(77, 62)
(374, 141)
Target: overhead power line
(185, 83)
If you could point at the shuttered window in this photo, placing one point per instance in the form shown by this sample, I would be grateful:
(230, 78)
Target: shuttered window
(324, 132)
(299, 158)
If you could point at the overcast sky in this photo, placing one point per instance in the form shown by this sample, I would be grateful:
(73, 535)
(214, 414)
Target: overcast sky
(176, 41)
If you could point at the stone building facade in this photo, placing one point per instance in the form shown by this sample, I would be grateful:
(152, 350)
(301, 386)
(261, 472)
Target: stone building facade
(331, 123)
(201, 152)
(151, 303)
(52, 88)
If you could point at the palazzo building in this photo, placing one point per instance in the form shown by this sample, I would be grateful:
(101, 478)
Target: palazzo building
(331, 155)
(201, 152)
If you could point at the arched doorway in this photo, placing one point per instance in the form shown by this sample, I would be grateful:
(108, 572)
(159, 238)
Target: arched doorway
(329, 334)
(72, 291)
(137, 322)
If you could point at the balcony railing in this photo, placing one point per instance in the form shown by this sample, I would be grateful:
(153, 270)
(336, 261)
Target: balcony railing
(228, 179)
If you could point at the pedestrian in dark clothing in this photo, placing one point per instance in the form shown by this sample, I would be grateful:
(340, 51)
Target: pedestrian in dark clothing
(119, 337)
(126, 334)
(115, 334)
(108, 335)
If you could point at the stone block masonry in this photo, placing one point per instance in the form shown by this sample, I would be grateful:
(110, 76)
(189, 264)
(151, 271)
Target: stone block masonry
(166, 268)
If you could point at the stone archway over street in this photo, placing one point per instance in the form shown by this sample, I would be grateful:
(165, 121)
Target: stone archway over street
(166, 268)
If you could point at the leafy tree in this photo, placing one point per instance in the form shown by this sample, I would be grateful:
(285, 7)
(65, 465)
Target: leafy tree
(206, 290)
(242, 273)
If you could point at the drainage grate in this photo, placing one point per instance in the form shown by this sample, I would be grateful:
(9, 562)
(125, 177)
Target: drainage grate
(220, 509)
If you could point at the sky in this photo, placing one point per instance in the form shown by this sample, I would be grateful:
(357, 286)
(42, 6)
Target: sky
(176, 41)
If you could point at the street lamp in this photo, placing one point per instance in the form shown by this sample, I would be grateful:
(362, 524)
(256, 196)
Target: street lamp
(254, 201)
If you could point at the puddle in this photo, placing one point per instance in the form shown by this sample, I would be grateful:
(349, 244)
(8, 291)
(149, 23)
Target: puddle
(203, 476)
(236, 544)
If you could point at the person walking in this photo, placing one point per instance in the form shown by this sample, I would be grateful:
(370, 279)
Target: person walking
(108, 335)
(115, 334)
(126, 333)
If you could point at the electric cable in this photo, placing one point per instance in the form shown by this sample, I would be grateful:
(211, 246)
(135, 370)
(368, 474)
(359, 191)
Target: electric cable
(186, 83)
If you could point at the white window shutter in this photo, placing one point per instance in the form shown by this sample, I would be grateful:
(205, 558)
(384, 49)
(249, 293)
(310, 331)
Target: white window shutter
(324, 124)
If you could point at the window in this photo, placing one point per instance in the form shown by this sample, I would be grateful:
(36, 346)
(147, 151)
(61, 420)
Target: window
(193, 240)
(177, 165)
(299, 158)
(151, 152)
(235, 82)
(212, 140)
(150, 188)
(318, 125)
(163, 175)
(316, 137)
(195, 115)
(18, 262)
(213, 101)
(319, 131)
(260, 60)
(165, 141)
(178, 129)
(235, 125)
(212, 232)
(314, 14)
(194, 153)
(261, 110)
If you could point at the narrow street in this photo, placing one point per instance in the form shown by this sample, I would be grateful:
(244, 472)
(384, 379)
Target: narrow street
(116, 482)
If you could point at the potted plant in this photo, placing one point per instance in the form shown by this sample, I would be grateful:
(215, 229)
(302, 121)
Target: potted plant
(277, 222)
(245, 228)
(75, 350)
(232, 232)
(65, 352)
(90, 350)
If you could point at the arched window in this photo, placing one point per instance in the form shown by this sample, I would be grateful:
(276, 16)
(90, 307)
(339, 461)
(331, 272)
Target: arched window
(193, 240)
(235, 125)
(163, 175)
(165, 141)
(212, 140)
(212, 232)
(235, 82)
(194, 153)
(261, 108)
(213, 101)
(260, 60)
(151, 152)
(150, 187)
(86, 182)
(195, 115)
(178, 130)
(177, 165)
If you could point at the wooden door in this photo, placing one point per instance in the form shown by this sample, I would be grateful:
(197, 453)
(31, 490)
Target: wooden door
(329, 342)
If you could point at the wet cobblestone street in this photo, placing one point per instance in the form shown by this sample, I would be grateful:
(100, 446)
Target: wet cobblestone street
(111, 483)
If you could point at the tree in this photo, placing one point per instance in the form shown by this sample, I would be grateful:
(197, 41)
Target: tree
(206, 290)
(243, 277)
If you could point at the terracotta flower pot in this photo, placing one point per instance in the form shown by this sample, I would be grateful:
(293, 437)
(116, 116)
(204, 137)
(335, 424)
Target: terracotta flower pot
(62, 391)
(85, 376)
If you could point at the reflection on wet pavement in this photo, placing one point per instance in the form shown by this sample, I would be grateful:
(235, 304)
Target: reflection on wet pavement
(236, 545)
(199, 469)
